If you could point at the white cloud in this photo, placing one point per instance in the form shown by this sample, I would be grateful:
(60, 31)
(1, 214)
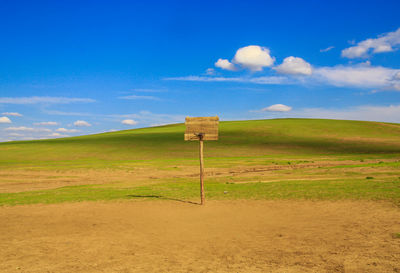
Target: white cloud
(28, 133)
(253, 57)
(15, 135)
(389, 113)
(145, 118)
(61, 113)
(257, 80)
(148, 118)
(15, 114)
(82, 123)
(135, 97)
(5, 120)
(46, 123)
(269, 80)
(326, 49)
(225, 64)
(204, 79)
(294, 66)
(63, 130)
(277, 108)
(54, 135)
(361, 76)
(382, 113)
(27, 129)
(385, 43)
(396, 77)
(210, 71)
(47, 100)
(354, 76)
(129, 122)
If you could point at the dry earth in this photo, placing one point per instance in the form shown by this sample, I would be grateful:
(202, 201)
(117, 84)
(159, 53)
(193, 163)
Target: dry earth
(223, 236)
(19, 180)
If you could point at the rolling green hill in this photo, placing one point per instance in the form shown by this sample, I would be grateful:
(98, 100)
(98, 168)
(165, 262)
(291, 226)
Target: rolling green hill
(291, 137)
(301, 154)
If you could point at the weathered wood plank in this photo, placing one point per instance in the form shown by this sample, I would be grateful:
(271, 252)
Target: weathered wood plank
(205, 137)
(207, 126)
(203, 130)
(216, 118)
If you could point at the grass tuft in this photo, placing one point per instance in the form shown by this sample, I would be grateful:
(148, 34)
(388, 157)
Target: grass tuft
(396, 235)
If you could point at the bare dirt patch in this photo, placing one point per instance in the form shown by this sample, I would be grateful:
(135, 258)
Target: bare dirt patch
(223, 236)
(29, 180)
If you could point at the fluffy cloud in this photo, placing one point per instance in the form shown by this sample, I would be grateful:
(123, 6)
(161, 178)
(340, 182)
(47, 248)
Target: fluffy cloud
(47, 123)
(54, 135)
(15, 114)
(28, 133)
(5, 120)
(354, 76)
(63, 130)
(129, 122)
(385, 43)
(82, 123)
(253, 57)
(225, 64)
(294, 66)
(26, 129)
(277, 108)
(47, 100)
(147, 118)
(361, 76)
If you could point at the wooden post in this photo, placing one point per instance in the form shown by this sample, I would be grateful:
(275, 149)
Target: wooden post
(200, 129)
(201, 169)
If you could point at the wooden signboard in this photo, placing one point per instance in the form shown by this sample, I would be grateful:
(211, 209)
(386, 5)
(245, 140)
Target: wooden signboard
(201, 128)
(206, 126)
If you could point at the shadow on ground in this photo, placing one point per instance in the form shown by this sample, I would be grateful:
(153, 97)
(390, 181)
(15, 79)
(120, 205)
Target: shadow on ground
(162, 198)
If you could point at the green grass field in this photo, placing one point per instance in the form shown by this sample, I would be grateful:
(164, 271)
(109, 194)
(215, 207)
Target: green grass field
(262, 159)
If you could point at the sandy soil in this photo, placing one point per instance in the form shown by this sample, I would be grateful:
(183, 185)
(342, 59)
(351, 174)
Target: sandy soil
(223, 236)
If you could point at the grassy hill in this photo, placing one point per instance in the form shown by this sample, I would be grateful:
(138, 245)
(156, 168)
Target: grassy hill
(294, 137)
(160, 156)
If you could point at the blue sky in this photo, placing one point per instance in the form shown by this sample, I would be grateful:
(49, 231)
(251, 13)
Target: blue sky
(79, 67)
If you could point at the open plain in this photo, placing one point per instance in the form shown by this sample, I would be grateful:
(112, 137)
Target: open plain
(286, 195)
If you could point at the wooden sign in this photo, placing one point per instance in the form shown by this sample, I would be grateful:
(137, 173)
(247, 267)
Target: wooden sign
(207, 127)
(201, 128)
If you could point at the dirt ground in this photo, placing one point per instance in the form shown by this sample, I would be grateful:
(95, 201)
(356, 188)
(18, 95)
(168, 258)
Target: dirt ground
(223, 236)
(12, 180)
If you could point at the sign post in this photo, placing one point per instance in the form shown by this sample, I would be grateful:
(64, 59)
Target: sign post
(201, 169)
(201, 128)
